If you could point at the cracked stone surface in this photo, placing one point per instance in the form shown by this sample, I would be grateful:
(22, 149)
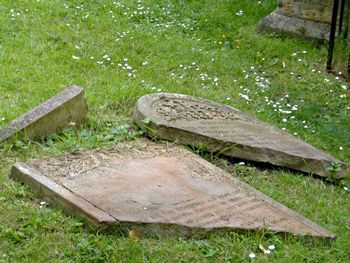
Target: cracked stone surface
(226, 130)
(157, 189)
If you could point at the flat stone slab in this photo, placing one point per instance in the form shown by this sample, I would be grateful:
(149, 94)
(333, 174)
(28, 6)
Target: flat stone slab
(157, 189)
(68, 106)
(220, 128)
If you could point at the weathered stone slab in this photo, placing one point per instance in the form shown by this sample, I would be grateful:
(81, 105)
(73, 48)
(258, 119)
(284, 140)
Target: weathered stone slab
(158, 189)
(226, 130)
(306, 18)
(69, 106)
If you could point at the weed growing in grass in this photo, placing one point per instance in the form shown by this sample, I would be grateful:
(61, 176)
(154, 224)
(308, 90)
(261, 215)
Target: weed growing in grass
(334, 167)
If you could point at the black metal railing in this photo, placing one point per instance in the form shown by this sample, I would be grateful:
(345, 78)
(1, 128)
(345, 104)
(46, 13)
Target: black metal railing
(343, 13)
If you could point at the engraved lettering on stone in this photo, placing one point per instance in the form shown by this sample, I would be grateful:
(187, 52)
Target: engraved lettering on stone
(215, 209)
(191, 205)
(279, 221)
(182, 109)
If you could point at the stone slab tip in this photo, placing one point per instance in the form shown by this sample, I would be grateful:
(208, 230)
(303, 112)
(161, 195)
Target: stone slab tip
(59, 196)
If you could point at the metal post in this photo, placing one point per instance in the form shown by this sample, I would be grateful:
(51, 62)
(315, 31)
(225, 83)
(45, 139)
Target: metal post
(347, 18)
(346, 30)
(332, 34)
(341, 17)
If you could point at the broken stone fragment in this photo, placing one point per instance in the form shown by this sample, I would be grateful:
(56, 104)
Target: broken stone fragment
(67, 107)
(226, 130)
(157, 189)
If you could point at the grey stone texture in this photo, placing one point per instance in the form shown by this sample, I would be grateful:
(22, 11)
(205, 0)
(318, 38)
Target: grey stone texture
(226, 130)
(305, 18)
(157, 189)
(69, 106)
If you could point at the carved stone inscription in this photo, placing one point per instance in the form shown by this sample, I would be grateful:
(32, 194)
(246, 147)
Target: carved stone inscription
(213, 211)
(184, 109)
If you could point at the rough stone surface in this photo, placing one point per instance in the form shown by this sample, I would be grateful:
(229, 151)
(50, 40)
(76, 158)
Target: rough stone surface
(306, 18)
(49, 117)
(226, 130)
(158, 189)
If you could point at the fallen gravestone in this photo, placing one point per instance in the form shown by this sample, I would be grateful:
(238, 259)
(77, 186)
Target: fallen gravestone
(69, 106)
(157, 189)
(226, 130)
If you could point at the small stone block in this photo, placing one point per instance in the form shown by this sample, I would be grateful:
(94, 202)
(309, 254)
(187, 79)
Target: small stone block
(220, 128)
(158, 189)
(68, 106)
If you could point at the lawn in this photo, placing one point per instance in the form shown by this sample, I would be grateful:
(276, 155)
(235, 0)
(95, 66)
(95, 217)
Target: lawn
(120, 50)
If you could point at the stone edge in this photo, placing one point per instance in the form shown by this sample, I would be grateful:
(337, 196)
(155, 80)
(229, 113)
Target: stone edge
(61, 197)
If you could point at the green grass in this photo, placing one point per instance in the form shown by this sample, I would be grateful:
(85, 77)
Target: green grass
(36, 57)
